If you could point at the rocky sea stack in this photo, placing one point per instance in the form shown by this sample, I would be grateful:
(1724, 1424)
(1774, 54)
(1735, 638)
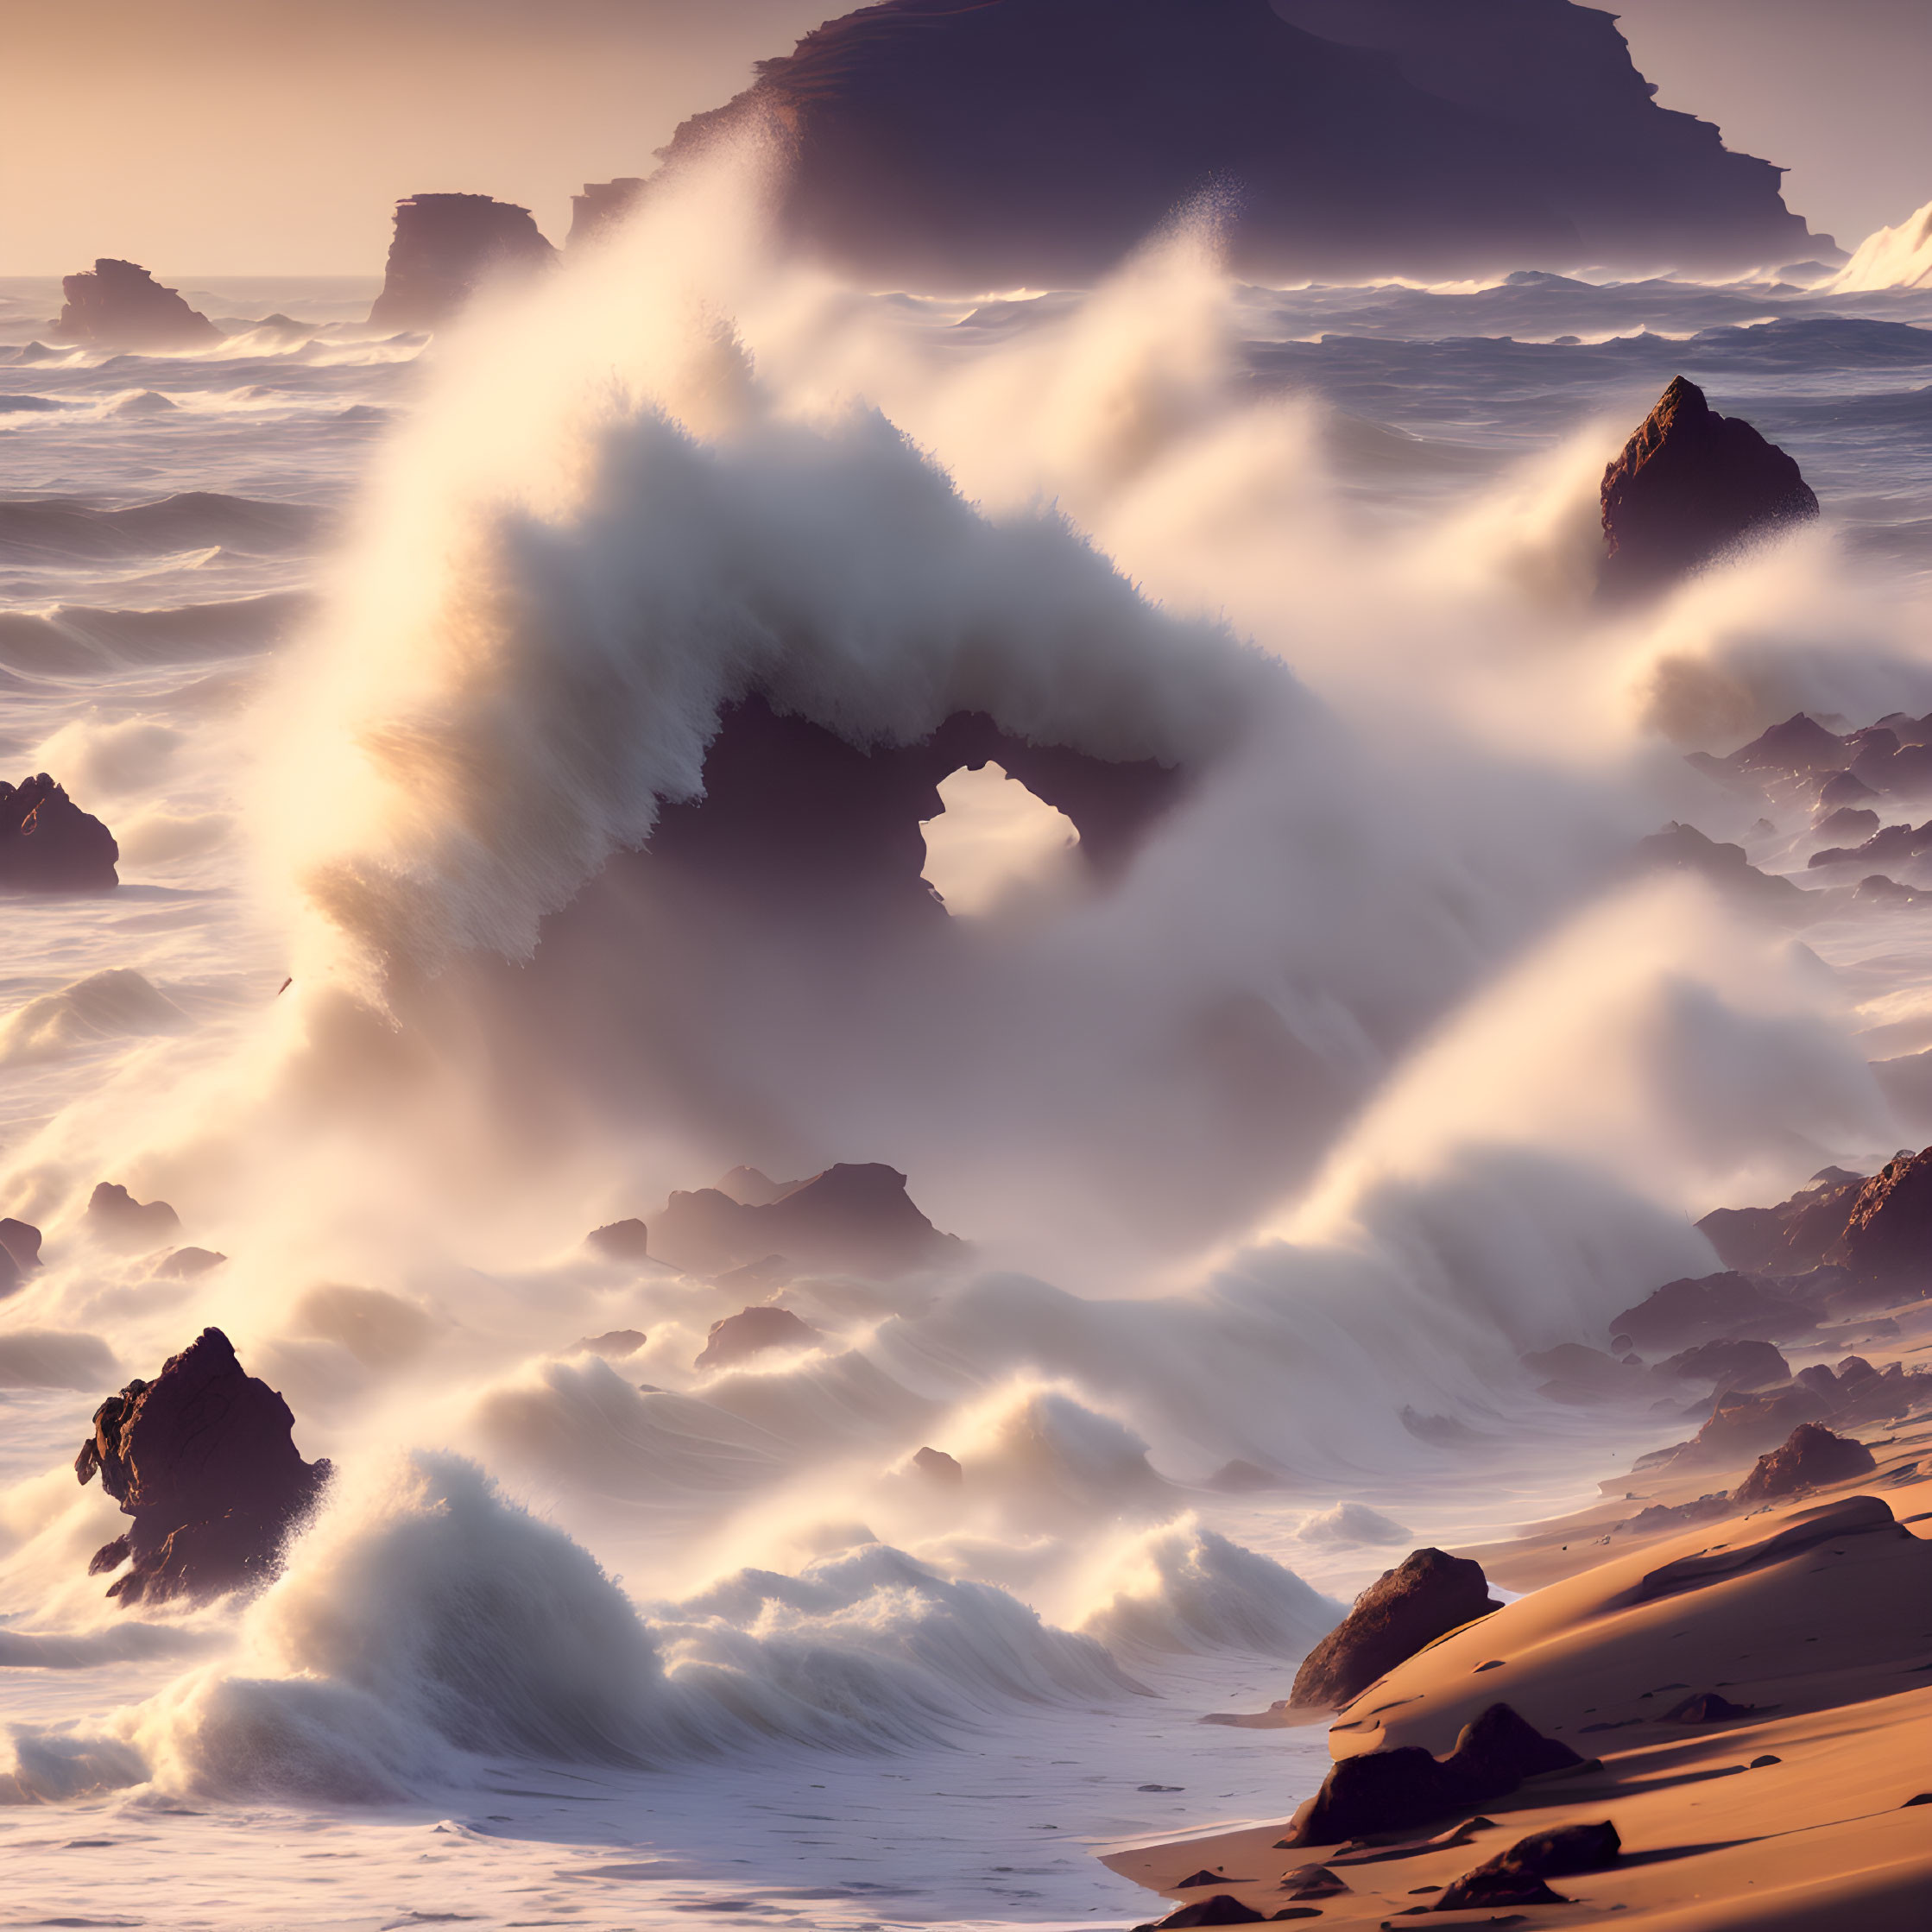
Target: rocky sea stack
(445, 247)
(49, 844)
(118, 305)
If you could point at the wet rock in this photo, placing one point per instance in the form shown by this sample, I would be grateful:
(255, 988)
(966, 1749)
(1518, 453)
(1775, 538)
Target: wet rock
(614, 1346)
(1689, 485)
(445, 247)
(21, 1241)
(49, 844)
(737, 1337)
(118, 305)
(1700, 1309)
(1887, 1235)
(622, 1241)
(601, 208)
(1680, 848)
(1732, 1364)
(1516, 1877)
(1427, 1594)
(1399, 1789)
(855, 1217)
(185, 1263)
(203, 1459)
(117, 1219)
(936, 1465)
(1811, 1457)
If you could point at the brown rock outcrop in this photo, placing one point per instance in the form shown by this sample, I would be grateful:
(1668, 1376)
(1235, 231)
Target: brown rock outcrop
(1811, 1457)
(1426, 1595)
(1707, 1307)
(1689, 485)
(118, 305)
(1516, 1877)
(1732, 1364)
(446, 246)
(737, 1337)
(1790, 1239)
(203, 1459)
(49, 844)
(855, 1217)
(1887, 1235)
(1399, 1789)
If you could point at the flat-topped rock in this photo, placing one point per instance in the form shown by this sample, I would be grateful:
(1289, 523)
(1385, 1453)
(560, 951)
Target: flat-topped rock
(445, 247)
(118, 305)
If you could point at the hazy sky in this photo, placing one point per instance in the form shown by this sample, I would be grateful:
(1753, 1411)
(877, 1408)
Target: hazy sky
(271, 136)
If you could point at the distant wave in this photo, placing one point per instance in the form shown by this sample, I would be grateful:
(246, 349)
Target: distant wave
(75, 638)
(34, 528)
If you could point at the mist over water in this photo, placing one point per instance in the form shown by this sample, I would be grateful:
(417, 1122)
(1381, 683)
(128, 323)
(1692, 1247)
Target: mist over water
(1374, 1068)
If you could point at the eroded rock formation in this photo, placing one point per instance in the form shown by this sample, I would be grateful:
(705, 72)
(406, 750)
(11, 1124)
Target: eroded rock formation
(203, 1459)
(1035, 141)
(115, 1217)
(751, 1331)
(1689, 485)
(1811, 1457)
(445, 247)
(47, 843)
(118, 305)
(1887, 1235)
(601, 208)
(1426, 1595)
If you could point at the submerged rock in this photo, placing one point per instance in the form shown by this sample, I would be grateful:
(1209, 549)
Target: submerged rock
(855, 1217)
(1426, 1595)
(1811, 1457)
(47, 843)
(118, 305)
(1399, 1789)
(750, 1331)
(203, 1459)
(446, 246)
(1689, 485)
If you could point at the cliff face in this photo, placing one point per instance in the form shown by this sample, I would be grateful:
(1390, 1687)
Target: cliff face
(601, 207)
(118, 305)
(1034, 141)
(445, 246)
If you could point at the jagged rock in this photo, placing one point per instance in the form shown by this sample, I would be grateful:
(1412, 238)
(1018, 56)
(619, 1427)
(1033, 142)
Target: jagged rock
(1741, 1425)
(1888, 845)
(936, 146)
(1690, 485)
(1732, 1364)
(614, 1346)
(445, 247)
(601, 208)
(1887, 1234)
(1680, 848)
(47, 843)
(115, 1217)
(1787, 1240)
(737, 1337)
(1399, 1789)
(1847, 822)
(622, 1240)
(1427, 1594)
(1707, 1307)
(853, 1217)
(1516, 1877)
(203, 1459)
(1812, 1457)
(118, 305)
(936, 1465)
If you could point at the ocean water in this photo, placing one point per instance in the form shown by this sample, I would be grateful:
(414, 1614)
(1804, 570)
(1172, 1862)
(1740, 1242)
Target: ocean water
(1375, 1069)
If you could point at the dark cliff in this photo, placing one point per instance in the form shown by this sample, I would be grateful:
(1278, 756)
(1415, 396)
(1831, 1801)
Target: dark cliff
(445, 247)
(941, 146)
(601, 208)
